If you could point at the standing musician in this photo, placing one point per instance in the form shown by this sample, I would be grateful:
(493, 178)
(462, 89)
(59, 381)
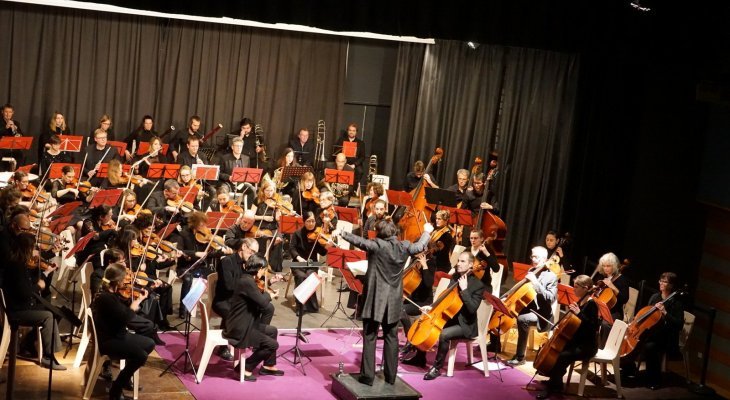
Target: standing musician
(307, 197)
(356, 161)
(57, 126)
(472, 199)
(249, 321)
(583, 344)
(306, 244)
(181, 138)
(546, 287)
(414, 177)
(234, 159)
(610, 269)
(52, 153)
(112, 316)
(303, 147)
(662, 338)
(195, 246)
(383, 294)
(22, 287)
(101, 152)
(10, 127)
(463, 325)
(267, 212)
(144, 133)
(340, 190)
(441, 242)
(246, 133)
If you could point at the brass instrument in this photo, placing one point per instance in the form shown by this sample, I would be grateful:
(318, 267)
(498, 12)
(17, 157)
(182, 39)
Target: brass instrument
(259, 132)
(319, 157)
(373, 167)
(277, 179)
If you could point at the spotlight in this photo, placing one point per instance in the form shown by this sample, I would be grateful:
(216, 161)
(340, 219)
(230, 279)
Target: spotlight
(637, 5)
(472, 45)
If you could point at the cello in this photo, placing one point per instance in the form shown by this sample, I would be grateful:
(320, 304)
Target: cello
(518, 298)
(411, 222)
(645, 319)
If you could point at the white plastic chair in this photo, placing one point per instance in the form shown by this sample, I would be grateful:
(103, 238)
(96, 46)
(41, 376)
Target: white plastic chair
(630, 306)
(85, 274)
(483, 314)
(208, 340)
(497, 280)
(96, 361)
(608, 354)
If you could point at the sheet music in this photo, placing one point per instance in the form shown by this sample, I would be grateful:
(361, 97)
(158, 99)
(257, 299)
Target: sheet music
(358, 267)
(304, 291)
(196, 292)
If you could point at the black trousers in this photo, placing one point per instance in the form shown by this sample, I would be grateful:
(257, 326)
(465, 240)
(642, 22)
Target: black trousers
(565, 359)
(42, 318)
(390, 349)
(263, 339)
(132, 348)
(452, 330)
(300, 274)
(143, 326)
(652, 351)
(409, 310)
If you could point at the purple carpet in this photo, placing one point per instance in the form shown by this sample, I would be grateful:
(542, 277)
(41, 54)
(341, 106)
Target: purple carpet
(327, 348)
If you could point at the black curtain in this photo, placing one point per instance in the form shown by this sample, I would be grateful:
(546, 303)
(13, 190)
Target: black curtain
(517, 101)
(85, 64)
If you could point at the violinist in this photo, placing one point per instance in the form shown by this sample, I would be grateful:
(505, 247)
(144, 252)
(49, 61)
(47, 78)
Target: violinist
(56, 126)
(100, 153)
(384, 294)
(414, 177)
(245, 228)
(160, 203)
(155, 261)
(441, 242)
(305, 245)
(144, 133)
(375, 192)
(583, 344)
(112, 316)
(463, 325)
(129, 209)
(662, 338)
(326, 214)
(52, 154)
(223, 202)
(610, 270)
(115, 177)
(22, 287)
(186, 182)
(307, 197)
(9, 198)
(29, 192)
(197, 243)
(249, 321)
(267, 213)
(379, 209)
(229, 271)
(546, 287)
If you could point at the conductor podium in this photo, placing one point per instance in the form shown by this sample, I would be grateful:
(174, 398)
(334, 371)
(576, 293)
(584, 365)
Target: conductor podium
(347, 387)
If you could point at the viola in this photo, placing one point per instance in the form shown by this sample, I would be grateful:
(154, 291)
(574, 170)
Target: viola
(149, 253)
(644, 321)
(31, 192)
(256, 232)
(136, 179)
(280, 204)
(47, 240)
(328, 212)
(134, 210)
(311, 194)
(205, 236)
(109, 225)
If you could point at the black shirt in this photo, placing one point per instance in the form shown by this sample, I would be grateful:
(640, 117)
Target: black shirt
(111, 316)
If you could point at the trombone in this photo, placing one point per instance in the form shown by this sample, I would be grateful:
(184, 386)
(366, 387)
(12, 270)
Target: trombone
(319, 157)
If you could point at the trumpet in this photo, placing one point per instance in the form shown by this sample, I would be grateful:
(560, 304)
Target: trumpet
(259, 132)
(372, 167)
(319, 156)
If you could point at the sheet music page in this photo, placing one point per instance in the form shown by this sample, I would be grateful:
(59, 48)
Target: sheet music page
(358, 267)
(196, 292)
(304, 291)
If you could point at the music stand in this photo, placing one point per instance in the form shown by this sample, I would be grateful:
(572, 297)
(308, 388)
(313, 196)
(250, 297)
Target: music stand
(347, 214)
(566, 295)
(121, 147)
(206, 172)
(71, 143)
(349, 149)
(26, 169)
(103, 171)
(497, 305)
(246, 175)
(56, 169)
(109, 197)
(229, 219)
(603, 311)
(16, 142)
(519, 270)
(338, 176)
(294, 172)
(459, 216)
(65, 209)
(290, 224)
(163, 171)
(59, 224)
(338, 258)
(189, 193)
(144, 148)
(80, 245)
(372, 234)
(165, 232)
(441, 197)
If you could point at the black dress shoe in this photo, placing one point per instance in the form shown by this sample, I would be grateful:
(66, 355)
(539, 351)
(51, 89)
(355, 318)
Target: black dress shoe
(407, 348)
(158, 340)
(432, 374)
(249, 378)
(264, 371)
(515, 361)
(365, 380)
(130, 386)
(50, 362)
(28, 354)
(416, 361)
(225, 354)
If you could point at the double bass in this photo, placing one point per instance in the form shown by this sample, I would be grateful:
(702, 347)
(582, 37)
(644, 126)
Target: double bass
(412, 222)
(494, 228)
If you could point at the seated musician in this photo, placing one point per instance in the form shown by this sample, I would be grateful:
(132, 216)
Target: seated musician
(57, 126)
(52, 154)
(341, 191)
(100, 153)
(326, 214)
(154, 156)
(247, 134)
(9, 199)
(583, 344)
(288, 185)
(306, 245)
(546, 288)
(177, 143)
(65, 189)
(223, 202)
(243, 229)
(610, 270)
(307, 197)
(421, 296)
(22, 286)
(249, 321)
(230, 270)
(414, 177)
(461, 185)
(112, 316)
(662, 339)
(190, 156)
(29, 192)
(383, 293)
(355, 162)
(128, 208)
(375, 192)
(463, 325)
(442, 242)
(117, 178)
(559, 246)
(234, 159)
(187, 182)
(267, 214)
(144, 133)
(379, 212)
(160, 202)
(303, 147)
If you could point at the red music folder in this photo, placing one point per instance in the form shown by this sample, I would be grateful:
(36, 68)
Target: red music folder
(290, 223)
(71, 143)
(337, 176)
(163, 171)
(349, 149)
(56, 168)
(520, 270)
(103, 171)
(16, 143)
(144, 148)
(120, 147)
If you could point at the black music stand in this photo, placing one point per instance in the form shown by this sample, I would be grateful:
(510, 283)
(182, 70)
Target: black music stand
(163, 171)
(338, 258)
(497, 305)
(441, 197)
(187, 330)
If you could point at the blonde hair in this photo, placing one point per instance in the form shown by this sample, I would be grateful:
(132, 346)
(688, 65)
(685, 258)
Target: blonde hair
(52, 124)
(115, 172)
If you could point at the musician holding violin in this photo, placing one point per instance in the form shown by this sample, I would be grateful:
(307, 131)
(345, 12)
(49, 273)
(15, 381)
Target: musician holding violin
(546, 288)
(306, 244)
(384, 293)
(67, 188)
(581, 345)
(268, 209)
(656, 328)
(307, 197)
(112, 315)
(375, 192)
(223, 202)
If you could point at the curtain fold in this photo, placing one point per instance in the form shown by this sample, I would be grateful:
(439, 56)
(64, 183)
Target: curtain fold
(85, 64)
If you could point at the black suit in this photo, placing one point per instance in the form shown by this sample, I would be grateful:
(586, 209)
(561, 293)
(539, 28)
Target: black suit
(359, 157)
(304, 154)
(230, 270)
(383, 298)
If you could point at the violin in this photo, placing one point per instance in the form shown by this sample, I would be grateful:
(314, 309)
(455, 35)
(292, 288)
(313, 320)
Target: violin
(31, 192)
(231, 206)
(136, 179)
(321, 236)
(278, 202)
(134, 210)
(256, 232)
(311, 194)
(150, 253)
(82, 186)
(129, 290)
(40, 262)
(47, 240)
(109, 225)
(205, 236)
(167, 246)
(184, 206)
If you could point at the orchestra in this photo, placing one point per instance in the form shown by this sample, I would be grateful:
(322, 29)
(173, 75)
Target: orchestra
(237, 229)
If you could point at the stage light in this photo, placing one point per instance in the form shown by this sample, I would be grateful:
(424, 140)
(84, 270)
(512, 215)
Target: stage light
(637, 5)
(472, 45)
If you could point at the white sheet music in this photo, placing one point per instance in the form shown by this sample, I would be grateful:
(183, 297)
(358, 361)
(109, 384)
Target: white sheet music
(358, 267)
(304, 291)
(196, 292)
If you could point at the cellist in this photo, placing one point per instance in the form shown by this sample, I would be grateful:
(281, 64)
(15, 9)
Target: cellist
(463, 325)
(546, 288)
(662, 338)
(584, 344)
(609, 267)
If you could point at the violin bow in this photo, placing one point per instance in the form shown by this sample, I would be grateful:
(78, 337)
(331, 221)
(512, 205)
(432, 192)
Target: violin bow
(78, 179)
(40, 185)
(146, 246)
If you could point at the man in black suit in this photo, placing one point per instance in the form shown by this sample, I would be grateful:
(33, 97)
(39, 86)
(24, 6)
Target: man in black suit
(356, 161)
(384, 293)
(303, 147)
(234, 159)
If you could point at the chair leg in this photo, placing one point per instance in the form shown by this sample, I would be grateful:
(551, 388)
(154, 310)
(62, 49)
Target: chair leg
(470, 353)
(617, 376)
(570, 374)
(204, 359)
(583, 376)
(40, 346)
(5, 341)
(136, 385)
(485, 355)
(685, 361)
(452, 358)
(242, 364)
(83, 344)
(94, 370)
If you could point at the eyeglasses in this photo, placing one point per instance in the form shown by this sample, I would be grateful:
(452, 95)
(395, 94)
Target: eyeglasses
(663, 281)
